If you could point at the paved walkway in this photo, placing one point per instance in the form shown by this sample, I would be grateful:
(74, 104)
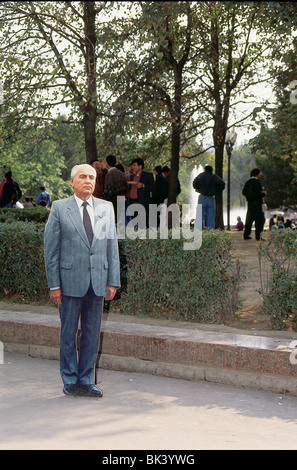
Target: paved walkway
(137, 412)
(145, 411)
(212, 353)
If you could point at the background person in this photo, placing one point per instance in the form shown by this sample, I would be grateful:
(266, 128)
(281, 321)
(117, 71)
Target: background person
(160, 194)
(254, 194)
(239, 226)
(208, 185)
(166, 172)
(142, 186)
(97, 165)
(11, 192)
(115, 183)
(43, 196)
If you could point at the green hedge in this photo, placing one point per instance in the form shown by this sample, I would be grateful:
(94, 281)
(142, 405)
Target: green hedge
(159, 278)
(21, 260)
(35, 214)
(278, 270)
(166, 281)
(162, 280)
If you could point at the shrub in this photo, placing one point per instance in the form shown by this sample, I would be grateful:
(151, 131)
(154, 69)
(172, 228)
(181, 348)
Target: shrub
(159, 278)
(21, 260)
(278, 271)
(166, 281)
(38, 215)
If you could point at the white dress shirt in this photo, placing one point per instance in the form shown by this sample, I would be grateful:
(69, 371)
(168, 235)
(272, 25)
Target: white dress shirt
(90, 208)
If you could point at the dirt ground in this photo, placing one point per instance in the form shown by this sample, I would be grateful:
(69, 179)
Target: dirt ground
(250, 318)
(250, 315)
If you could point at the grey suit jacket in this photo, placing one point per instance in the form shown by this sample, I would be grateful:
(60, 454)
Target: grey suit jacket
(71, 263)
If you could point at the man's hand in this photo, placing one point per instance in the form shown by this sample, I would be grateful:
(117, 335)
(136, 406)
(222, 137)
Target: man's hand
(56, 296)
(110, 292)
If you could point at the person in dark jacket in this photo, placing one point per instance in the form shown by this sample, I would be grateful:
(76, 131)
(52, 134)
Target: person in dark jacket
(160, 188)
(208, 185)
(142, 183)
(254, 194)
(160, 191)
(115, 183)
(11, 191)
(166, 172)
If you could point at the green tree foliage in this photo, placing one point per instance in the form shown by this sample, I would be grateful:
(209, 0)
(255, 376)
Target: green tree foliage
(49, 61)
(154, 76)
(191, 64)
(36, 159)
(275, 146)
(277, 174)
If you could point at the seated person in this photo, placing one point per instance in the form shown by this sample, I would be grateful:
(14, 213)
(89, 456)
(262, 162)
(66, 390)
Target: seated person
(280, 218)
(280, 224)
(273, 223)
(239, 226)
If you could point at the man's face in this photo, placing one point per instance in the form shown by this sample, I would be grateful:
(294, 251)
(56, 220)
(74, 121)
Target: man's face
(96, 165)
(137, 168)
(84, 182)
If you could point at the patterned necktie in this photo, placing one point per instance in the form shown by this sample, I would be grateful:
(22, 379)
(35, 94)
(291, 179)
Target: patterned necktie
(87, 223)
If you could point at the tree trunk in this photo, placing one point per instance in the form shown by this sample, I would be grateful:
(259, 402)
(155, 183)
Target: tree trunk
(175, 148)
(219, 132)
(175, 139)
(219, 155)
(89, 123)
(219, 136)
(90, 108)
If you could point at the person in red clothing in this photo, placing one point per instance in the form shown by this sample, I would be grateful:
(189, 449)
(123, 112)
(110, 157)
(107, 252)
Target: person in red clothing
(3, 180)
(11, 191)
(1, 186)
(142, 186)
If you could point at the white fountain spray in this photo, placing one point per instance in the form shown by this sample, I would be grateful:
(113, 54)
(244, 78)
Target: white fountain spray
(193, 195)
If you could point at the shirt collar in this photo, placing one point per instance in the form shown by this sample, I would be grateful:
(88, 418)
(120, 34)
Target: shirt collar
(80, 201)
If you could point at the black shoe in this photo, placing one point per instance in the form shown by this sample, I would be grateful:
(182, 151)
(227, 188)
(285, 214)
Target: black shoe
(88, 391)
(69, 390)
(247, 238)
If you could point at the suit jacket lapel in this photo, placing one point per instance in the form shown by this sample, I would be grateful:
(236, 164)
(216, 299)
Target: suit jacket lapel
(95, 203)
(101, 219)
(73, 212)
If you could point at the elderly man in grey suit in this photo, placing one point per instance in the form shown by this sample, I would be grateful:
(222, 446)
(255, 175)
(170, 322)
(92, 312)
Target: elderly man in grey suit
(82, 266)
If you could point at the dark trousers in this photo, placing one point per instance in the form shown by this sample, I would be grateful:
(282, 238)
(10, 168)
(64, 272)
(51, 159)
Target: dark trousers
(254, 214)
(143, 221)
(80, 367)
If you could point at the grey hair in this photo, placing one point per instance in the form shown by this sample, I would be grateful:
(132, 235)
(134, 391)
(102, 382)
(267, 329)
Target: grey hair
(76, 167)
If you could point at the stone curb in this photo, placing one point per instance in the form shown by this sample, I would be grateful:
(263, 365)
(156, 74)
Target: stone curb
(235, 359)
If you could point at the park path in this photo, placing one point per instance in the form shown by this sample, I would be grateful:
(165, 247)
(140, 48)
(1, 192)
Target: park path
(251, 308)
